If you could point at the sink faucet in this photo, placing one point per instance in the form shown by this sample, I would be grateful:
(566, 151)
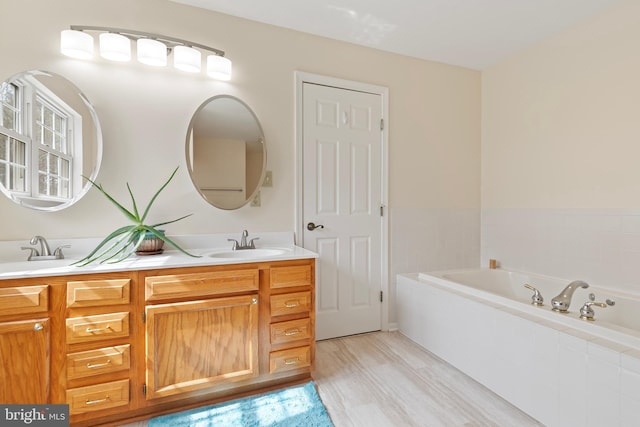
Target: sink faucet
(44, 246)
(562, 301)
(45, 251)
(243, 242)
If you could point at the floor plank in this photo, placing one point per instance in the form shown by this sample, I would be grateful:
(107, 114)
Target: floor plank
(383, 379)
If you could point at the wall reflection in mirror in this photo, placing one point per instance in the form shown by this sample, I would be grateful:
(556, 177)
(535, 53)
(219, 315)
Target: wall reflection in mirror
(49, 138)
(226, 153)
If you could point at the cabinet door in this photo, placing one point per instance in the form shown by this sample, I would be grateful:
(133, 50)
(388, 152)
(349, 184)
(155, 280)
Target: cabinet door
(24, 361)
(196, 345)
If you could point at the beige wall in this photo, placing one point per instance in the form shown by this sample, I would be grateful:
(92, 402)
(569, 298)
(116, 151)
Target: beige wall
(561, 121)
(144, 112)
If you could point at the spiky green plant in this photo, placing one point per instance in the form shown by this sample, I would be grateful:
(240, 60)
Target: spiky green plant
(125, 240)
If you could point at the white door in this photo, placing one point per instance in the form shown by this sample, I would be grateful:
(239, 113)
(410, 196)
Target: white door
(342, 197)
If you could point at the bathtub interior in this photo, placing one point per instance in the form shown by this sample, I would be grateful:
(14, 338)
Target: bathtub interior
(623, 317)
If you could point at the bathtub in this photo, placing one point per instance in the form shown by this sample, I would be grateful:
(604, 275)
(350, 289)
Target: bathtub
(558, 368)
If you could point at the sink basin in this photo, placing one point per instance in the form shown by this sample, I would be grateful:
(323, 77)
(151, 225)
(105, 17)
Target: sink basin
(249, 253)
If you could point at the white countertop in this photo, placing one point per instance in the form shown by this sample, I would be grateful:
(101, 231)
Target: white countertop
(14, 264)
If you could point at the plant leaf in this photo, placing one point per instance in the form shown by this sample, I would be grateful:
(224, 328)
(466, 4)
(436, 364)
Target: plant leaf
(175, 245)
(153, 199)
(106, 240)
(167, 222)
(135, 207)
(122, 209)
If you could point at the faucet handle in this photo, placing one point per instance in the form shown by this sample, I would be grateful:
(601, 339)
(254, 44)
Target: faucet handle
(587, 313)
(536, 298)
(34, 252)
(58, 251)
(235, 244)
(251, 244)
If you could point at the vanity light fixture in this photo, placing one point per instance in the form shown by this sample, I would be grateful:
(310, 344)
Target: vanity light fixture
(151, 49)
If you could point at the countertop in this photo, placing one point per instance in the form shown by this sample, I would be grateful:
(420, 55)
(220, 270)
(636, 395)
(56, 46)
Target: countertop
(12, 267)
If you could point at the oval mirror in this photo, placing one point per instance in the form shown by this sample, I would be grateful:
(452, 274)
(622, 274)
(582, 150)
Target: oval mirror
(226, 154)
(49, 138)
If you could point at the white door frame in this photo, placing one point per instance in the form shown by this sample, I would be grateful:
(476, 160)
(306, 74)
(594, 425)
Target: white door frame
(304, 77)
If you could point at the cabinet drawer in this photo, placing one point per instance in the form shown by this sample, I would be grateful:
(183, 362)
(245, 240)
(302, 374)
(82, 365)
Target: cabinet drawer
(294, 330)
(98, 397)
(299, 302)
(87, 293)
(24, 299)
(98, 327)
(286, 277)
(201, 284)
(96, 362)
(286, 360)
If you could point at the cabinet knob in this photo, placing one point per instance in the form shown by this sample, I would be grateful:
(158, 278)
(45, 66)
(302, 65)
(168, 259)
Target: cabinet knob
(254, 301)
(38, 327)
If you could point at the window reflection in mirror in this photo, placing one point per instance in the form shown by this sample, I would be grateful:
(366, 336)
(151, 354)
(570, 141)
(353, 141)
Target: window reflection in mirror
(49, 138)
(226, 154)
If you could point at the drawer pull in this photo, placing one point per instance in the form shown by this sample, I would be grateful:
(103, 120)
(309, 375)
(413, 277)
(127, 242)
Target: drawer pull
(98, 365)
(292, 361)
(291, 304)
(38, 327)
(95, 330)
(290, 332)
(97, 401)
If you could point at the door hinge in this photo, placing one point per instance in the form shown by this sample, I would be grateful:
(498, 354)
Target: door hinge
(380, 296)
(144, 317)
(381, 210)
(381, 124)
(144, 389)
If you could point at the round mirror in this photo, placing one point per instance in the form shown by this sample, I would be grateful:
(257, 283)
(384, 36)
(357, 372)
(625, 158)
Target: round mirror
(226, 154)
(49, 139)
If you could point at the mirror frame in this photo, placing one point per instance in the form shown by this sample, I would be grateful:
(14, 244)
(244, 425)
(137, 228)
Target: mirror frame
(86, 186)
(189, 149)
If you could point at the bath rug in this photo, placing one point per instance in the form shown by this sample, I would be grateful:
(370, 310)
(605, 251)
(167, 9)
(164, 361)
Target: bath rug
(289, 407)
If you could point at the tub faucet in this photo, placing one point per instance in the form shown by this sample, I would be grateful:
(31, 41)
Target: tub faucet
(562, 301)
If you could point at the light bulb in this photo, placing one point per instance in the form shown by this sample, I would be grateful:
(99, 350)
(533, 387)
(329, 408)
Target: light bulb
(115, 47)
(152, 52)
(187, 59)
(76, 44)
(219, 67)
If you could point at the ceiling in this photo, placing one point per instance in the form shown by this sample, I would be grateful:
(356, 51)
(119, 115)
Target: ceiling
(468, 33)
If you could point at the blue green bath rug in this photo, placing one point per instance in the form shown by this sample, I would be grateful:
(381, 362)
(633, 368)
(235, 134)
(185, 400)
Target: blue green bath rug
(289, 407)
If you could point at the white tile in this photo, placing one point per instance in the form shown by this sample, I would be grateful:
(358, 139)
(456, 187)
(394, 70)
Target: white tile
(630, 385)
(606, 350)
(629, 412)
(631, 360)
(602, 375)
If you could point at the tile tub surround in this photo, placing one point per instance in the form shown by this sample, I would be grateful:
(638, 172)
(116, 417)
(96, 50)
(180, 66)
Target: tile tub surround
(427, 239)
(602, 246)
(14, 264)
(557, 374)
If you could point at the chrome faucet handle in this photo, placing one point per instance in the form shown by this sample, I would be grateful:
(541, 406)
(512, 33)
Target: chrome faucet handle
(536, 298)
(58, 251)
(587, 313)
(251, 244)
(235, 244)
(34, 252)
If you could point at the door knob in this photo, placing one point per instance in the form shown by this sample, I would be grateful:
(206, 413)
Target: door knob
(311, 226)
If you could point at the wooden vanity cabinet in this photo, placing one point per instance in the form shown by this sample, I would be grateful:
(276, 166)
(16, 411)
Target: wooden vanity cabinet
(197, 344)
(131, 345)
(24, 343)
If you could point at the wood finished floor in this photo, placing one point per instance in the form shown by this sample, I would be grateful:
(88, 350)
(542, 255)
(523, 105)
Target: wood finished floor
(384, 379)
